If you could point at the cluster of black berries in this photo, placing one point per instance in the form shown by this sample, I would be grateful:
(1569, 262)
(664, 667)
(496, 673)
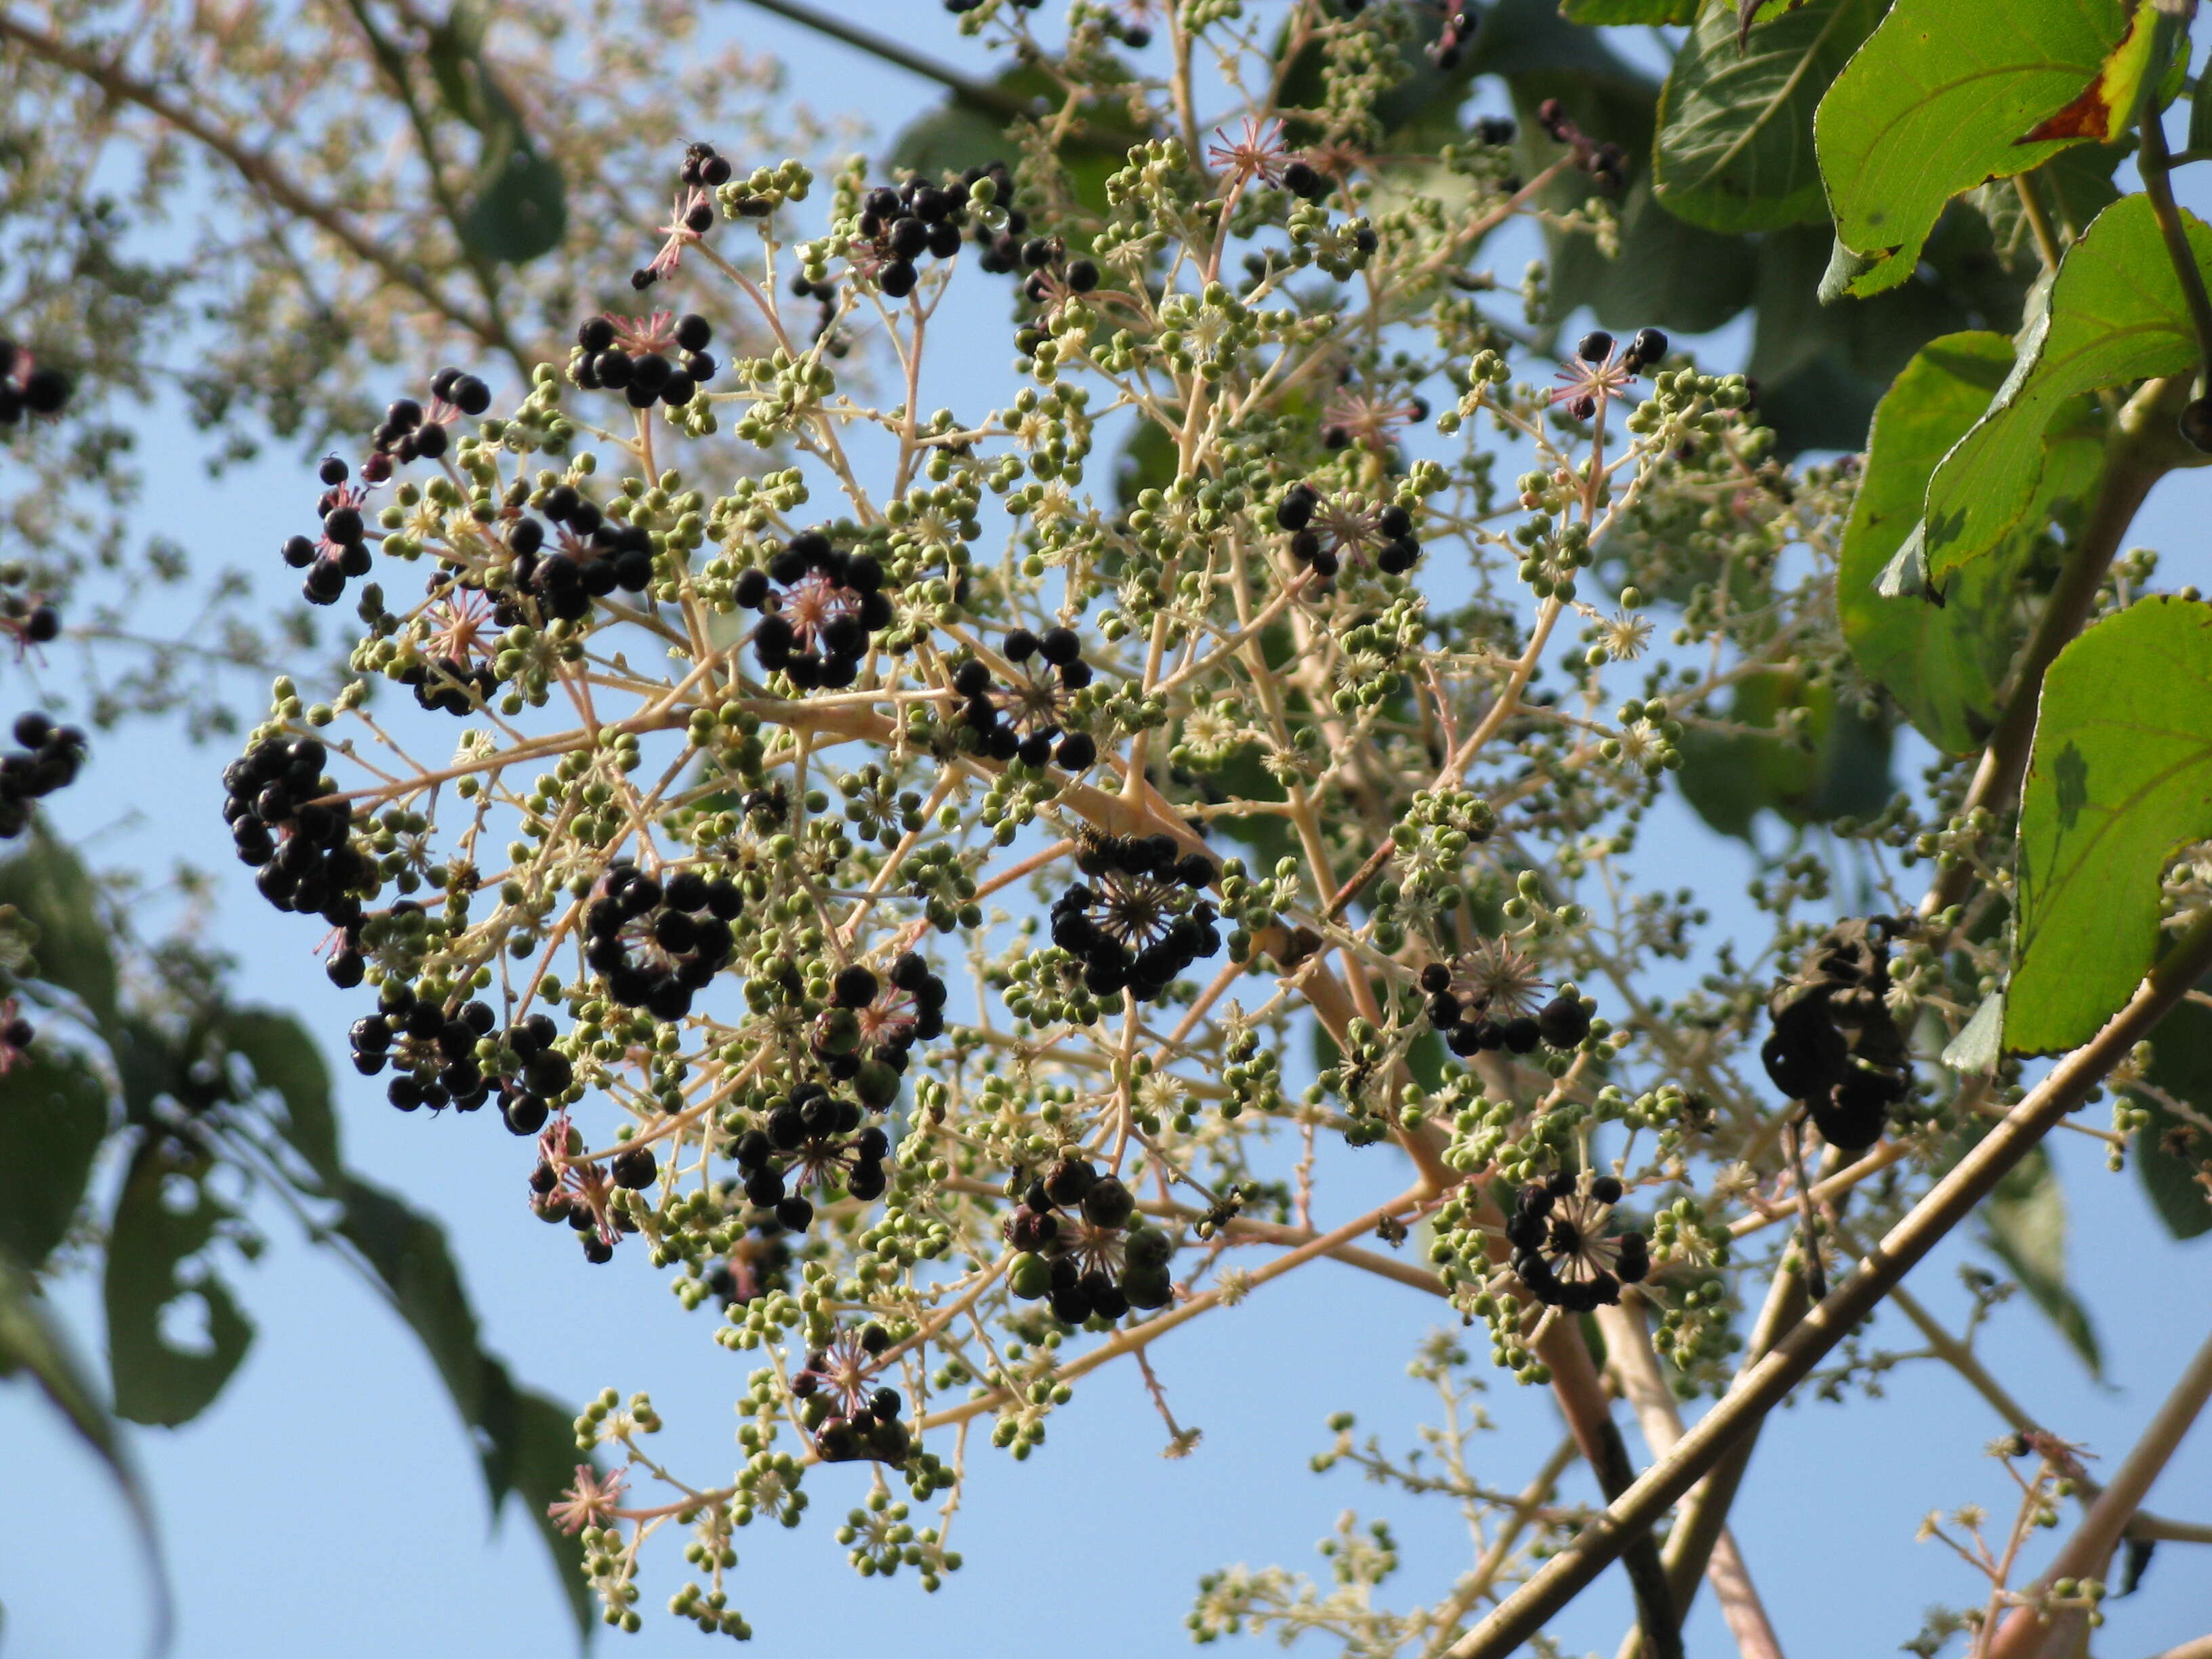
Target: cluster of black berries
(853, 1418)
(659, 943)
(29, 620)
(1324, 533)
(49, 759)
(434, 1054)
(1078, 1247)
(867, 1034)
(1052, 274)
(1026, 718)
(593, 558)
(902, 224)
(1453, 34)
(1835, 1045)
(812, 1138)
(301, 844)
(1607, 163)
(25, 387)
(1468, 1019)
(1001, 248)
(817, 607)
(704, 167)
(341, 549)
(449, 685)
(408, 433)
(645, 376)
(1561, 1250)
(1139, 922)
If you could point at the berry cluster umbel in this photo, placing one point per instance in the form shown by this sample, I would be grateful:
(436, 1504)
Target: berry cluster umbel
(1139, 921)
(49, 758)
(656, 943)
(1024, 716)
(1084, 1246)
(1561, 1250)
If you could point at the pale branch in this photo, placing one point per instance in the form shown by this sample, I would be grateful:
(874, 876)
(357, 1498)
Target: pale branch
(1635, 1367)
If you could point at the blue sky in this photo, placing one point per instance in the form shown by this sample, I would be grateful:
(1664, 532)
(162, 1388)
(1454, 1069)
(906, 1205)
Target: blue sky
(329, 1505)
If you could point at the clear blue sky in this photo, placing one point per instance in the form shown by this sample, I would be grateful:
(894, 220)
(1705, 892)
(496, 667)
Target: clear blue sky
(330, 1506)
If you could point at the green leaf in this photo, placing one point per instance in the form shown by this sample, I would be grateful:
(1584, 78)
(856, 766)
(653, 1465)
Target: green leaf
(527, 1443)
(53, 1116)
(408, 1252)
(46, 883)
(2024, 1222)
(284, 1058)
(32, 1342)
(2115, 315)
(543, 1460)
(2173, 1151)
(2119, 779)
(2073, 186)
(1842, 768)
(1980, 1044)
(147, 1245)
(518, 209)
(1947, 94)
(1630, 11)
(1735, 121)
(1942, 665)
(2200, 113)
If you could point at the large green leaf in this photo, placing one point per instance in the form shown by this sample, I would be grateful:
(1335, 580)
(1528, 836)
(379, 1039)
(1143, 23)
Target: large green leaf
(2172, 1150)
(31, 1341)
(2119, 779)
(526, 1441)
(151, 1251)
(2024, 1222)
(1841, 768)
(1736, 119)
(53, 1115)
(2115, 315)
(408, 1251)
(285, 1059)
(1942, 665)
(518, 209)
(1947, 94)
(47, 884)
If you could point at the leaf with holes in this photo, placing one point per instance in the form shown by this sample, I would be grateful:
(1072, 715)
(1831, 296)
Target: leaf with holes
(154, 1262)
(1946, 93)
(1943, 664)
(2116, 315)
(1735, 121)
(2119, 779)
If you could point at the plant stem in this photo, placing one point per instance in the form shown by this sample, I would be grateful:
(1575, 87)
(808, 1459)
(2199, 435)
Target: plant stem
(981, 94)
(1628, 1346)
(2084, 1554)
(1521, 1614)
(2154, 162)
